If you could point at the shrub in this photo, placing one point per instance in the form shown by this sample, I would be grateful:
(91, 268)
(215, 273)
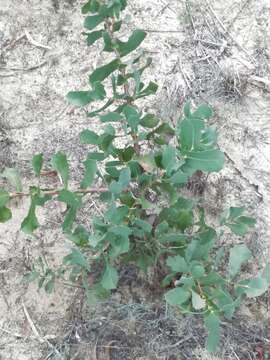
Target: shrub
(148, 221)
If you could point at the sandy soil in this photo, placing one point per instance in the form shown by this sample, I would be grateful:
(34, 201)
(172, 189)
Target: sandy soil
(217, 54)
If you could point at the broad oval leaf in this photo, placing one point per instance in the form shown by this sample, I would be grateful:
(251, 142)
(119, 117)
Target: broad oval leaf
(177, 296)
(5, 214)
(206, 160)
(238, 255)
(256, 287)
(177, 264)
(79, 98)
(91, 22)
(89, 137)
(110, 278)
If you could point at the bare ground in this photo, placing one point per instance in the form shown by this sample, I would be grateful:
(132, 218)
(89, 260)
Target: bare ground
(216, 52)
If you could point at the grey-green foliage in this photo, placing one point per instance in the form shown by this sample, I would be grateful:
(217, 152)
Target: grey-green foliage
(136, 179)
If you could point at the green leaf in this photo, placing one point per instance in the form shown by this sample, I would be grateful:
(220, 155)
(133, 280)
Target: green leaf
(90, 172)
(132, 116)
(5, 214)
(103, 72)
(187, 109)
(91, 22)
(37, 162)
(266, 273)
(93, 37)
(144, 225)
(207, 160)
(177, 296)
(50, 285)
(212, 323)
(177, 264)
(149, 121)
(137, 37)
(73, 202)
(70, 198)
(198, 302)
(122, 183)
(190, 134)
(99, 156)
(76, 258)
(203, 112)
(116, 214)
(110, 278)
(13, 178)
(79, 98)
(111, 117)
(4, 197)
(89, 137)
(60, 164)
(239, 254)
(197, 271)
(169, 158)
(91, 6)
(151, 89)
(124, 178)
(224, 301)
(80, 236)
(179, 178)
(30, 223)
(256, 287)
(235, 221)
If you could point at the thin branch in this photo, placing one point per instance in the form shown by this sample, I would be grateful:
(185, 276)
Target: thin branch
(57, 192)
(162, 31)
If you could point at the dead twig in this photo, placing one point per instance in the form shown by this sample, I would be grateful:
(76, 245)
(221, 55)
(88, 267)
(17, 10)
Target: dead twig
(180, 342)
(260, 82)
(162, 31)
(35, 43)
(32, 325)
(41, 339)
(19, 336)
(184, 75)
(226, 32)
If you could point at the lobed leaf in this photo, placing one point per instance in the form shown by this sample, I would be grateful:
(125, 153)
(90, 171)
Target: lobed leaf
(212, 323)
(90, 172)
(60, 164)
